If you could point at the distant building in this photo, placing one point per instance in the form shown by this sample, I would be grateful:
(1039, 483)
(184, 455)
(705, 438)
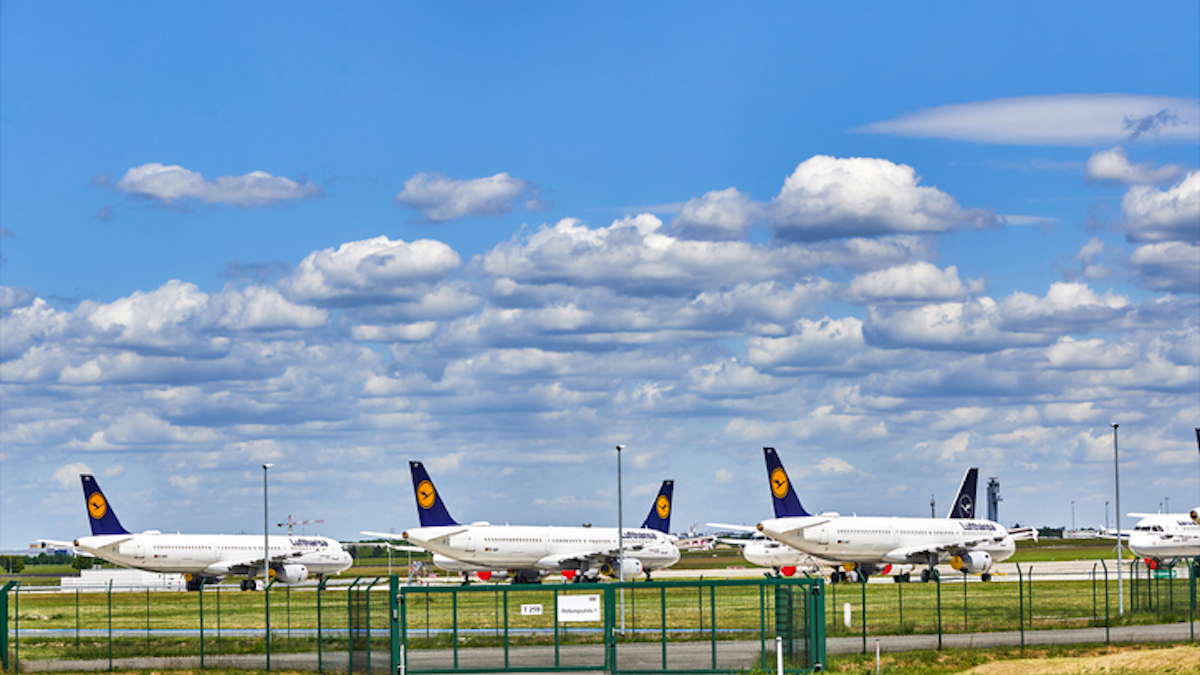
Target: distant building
(97, 581)
(993, 500)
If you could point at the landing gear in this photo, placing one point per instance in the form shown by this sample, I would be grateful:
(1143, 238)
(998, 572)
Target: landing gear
(985, 577)
(249, 585)
(194, 584)
(928, 575)
(902, 578)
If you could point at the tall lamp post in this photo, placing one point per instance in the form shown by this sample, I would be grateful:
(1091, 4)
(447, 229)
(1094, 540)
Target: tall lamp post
(620, 537)
(267, 564)
(1120, 546)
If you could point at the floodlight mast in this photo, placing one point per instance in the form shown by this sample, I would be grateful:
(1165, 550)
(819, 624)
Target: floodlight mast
(620, 537)
(1120, 545)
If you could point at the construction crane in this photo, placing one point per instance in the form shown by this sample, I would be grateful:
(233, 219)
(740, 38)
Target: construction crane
(291, 523)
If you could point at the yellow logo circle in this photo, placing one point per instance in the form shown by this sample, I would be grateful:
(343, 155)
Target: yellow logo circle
(97, 506)
(426, 495)
(779, 483)
(663, 506)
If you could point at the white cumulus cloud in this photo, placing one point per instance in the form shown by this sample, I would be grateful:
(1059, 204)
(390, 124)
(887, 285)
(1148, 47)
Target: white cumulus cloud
(830, 197)
(1113, 165)
(1154, 215)
(720, 214)
(171, 183)
(442, 198)
(1168, 266)
(369, 271)
(917, 282)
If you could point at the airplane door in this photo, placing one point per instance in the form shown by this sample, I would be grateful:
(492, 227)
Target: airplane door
(470, 542)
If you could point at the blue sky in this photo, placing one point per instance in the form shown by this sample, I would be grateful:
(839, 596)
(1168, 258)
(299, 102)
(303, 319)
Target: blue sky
(891, 241)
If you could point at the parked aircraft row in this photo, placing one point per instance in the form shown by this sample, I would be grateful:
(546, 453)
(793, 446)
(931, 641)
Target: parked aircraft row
(794, 539)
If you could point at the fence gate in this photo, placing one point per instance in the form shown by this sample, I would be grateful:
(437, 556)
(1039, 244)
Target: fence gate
(632, 627)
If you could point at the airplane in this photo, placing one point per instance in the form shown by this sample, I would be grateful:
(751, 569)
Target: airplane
(765, 552)
(1161, 538)
(527, 553)
(864, 544)
(205, 558)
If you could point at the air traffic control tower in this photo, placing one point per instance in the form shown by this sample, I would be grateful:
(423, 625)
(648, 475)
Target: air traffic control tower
(993, 499)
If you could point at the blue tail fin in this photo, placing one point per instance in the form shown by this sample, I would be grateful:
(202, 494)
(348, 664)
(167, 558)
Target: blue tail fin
(964, 503)
(660, 513)
(430, 508)
(787, 504)
(100, 514)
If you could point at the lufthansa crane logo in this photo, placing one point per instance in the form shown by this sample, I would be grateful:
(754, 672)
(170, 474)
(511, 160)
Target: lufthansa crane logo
(97, 506)
(967, 506)
(779, 483)
(426, 495)
(663, 506)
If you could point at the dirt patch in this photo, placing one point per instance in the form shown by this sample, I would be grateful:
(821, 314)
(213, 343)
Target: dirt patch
(1174, 661)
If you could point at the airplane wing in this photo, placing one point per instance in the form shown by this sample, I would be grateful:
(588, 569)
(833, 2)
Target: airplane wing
(726, 527)
(915, 554)
(247, 565)
(734, 542)
(382, 535)
(1023, 534)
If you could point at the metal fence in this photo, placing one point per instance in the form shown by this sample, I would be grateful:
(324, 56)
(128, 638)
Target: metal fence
(692, 626)
(705, 625)
(959, 603)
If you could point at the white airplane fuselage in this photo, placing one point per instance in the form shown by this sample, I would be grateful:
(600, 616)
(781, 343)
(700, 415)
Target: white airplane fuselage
(496, 547)
(214, 554)
(862, 539)
(1166, 535)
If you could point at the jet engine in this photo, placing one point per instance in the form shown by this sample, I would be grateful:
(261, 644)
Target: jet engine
(1195, 514)
(973, 562)
(633, 567)
(291, 574)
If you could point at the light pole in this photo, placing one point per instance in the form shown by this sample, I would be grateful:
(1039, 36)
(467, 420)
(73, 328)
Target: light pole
(1120, 546)
(620, 537)
(267, 564)
(1072, 517)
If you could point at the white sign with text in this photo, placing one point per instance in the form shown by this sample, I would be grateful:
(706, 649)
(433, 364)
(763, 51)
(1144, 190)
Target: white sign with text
(579, 608)
(531, 610)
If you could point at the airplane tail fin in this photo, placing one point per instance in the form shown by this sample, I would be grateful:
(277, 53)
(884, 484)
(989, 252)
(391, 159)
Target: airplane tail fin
(101, 516)
(430, 508)
(964, 503)
(787, 504)
(660, 513)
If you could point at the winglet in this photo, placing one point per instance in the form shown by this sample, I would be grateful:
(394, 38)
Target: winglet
(787, 504)
(964, 503)
(430, 508)
(101, 516)
(660, 512)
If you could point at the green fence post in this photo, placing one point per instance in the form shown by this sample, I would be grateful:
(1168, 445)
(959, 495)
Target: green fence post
(350, 623)
(816, 620)
(965, 600)
(1094, 614)
(147, 621)
(1021, 605)
(4, 623)
(1192, 569)
(76, 618)
(1031, 597)
(200, 599)
(454, 635)
(268, 582)
(862, 619)
(663, 608)
(900, 604)
(218, 587)
(610, 619)
(320, 653)
(110, 646)
(938, 579)
(394, 621)
(556, 641)
(506, 628)
(1106, 601)
(712, 621)
(367, 611)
